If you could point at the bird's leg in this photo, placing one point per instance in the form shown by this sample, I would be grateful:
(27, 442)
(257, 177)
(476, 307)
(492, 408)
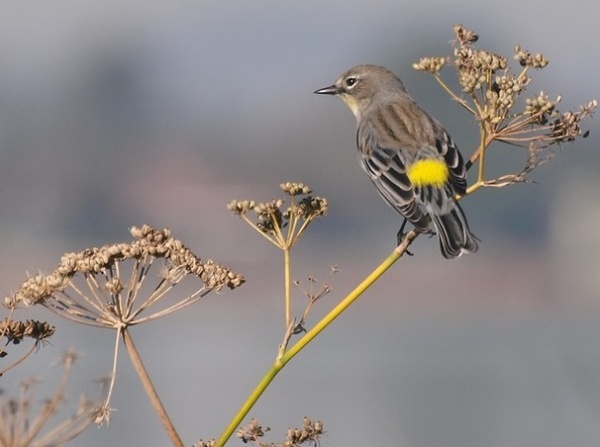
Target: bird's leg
(400, 235)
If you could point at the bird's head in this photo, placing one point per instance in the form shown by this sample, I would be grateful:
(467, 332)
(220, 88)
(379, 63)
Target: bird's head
(358, 86)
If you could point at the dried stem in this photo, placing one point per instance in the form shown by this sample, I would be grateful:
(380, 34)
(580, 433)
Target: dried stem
(287, 285)
(21, 359)
(149, 388)
(272, 219)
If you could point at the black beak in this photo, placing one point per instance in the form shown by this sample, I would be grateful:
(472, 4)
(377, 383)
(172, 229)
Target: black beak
(331, 90)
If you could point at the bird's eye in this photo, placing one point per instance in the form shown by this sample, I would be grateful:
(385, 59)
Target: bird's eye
(350, 81)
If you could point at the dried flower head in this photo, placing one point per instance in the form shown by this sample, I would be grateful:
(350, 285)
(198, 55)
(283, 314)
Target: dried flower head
(309, 434)
(271, 218)
(491, 93)
(526, 59)
(464, 36)
(283, 226)
(477, 67)
(541, 106)
(111, 287)
(15, 331)
(251, 432)
(294, 189)
(311, 207)
(91, 287)
(241, 207)
(566, 127)
(430, 64)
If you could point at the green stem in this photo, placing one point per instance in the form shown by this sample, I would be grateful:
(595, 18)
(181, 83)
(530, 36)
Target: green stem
(310, 335)
(345, 303)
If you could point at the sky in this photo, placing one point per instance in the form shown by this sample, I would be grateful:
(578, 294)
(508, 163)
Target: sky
(114, 114)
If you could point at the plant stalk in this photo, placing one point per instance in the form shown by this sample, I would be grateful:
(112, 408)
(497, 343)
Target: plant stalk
(149, 388)
(310, 335)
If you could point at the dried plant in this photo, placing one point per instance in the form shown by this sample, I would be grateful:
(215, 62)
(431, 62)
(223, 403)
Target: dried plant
(490, 90)
(309, 434)
(94, 287)
(19, 427)
(272, 218)
(283, 226)
(90, 287)
(313, 295)
(15, 332)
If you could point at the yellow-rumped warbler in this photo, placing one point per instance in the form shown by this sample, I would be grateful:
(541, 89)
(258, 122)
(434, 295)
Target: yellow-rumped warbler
(410, 158)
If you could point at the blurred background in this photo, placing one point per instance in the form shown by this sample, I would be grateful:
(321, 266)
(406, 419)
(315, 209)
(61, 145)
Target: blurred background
(119, 113)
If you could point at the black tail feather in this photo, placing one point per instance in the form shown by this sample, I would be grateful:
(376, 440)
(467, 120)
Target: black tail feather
(454, 234)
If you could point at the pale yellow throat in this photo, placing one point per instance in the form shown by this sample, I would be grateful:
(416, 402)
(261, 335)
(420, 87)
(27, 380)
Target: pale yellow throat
(352, 104)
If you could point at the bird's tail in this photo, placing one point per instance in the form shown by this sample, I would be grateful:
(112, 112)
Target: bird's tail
(454, 234)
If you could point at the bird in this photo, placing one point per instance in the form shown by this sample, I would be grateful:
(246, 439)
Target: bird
(410, 158)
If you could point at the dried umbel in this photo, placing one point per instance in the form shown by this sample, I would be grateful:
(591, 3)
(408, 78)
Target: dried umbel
(15, 331)
(272, 217)
(475, 67)
(430, 64)
(491, 92)
(283, 225)
(115, 286)
(464, 36)
(525, 58)
(251, 432)
(92, 286)
(309, 434)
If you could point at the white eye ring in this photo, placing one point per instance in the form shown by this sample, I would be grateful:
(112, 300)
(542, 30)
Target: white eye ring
(351, 82)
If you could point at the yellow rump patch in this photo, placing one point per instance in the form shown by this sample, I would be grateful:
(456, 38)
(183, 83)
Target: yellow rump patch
(428, 172)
